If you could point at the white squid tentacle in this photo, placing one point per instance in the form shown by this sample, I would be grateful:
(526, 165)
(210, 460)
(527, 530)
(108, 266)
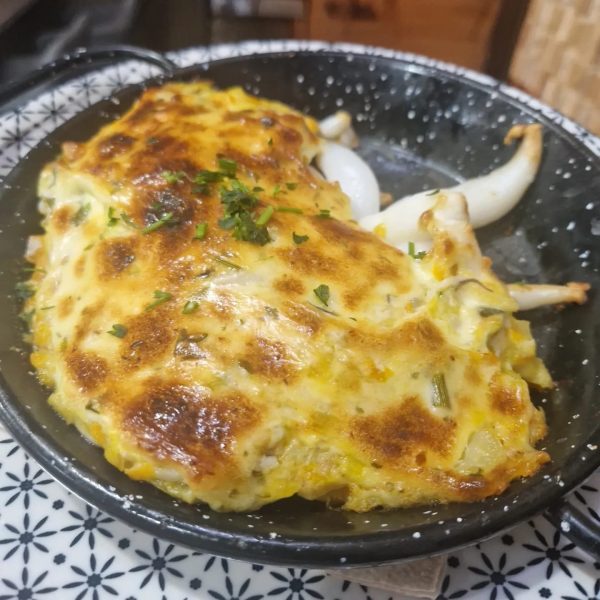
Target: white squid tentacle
(339, 163)
(489, 197)
(338, 128)
(529, 296)
(449, 219)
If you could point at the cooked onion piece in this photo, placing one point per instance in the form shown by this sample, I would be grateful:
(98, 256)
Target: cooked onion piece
(489, 197)
(354, 175)
(530, 296)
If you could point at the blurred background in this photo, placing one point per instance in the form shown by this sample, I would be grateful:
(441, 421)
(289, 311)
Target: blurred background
(550, 48)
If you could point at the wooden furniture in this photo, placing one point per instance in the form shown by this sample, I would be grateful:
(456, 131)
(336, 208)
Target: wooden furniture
(558, 57)
(457, 31)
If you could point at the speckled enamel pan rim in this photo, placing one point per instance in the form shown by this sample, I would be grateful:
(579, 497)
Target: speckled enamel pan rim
(314, 550)
(249, 48)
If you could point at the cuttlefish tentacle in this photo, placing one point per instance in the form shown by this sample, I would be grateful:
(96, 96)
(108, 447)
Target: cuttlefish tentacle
(489, 197)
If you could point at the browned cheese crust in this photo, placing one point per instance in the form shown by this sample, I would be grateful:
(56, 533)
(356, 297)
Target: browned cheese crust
(202, 359)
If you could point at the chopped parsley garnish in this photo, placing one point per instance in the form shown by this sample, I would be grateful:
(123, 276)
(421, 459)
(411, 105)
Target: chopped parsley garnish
(413, 254)
(441, 397)
(129, 221)
(322, 293)
(190, 307)
(238, 198)
(200, 232)
(290, 209)
(227, 263)
(265, 215)
(299, 239)
(118, 330)
(227, 167)
(272, 312)
(81, 215)
(47, 307)
(203, 179)
(239, 202)
(160, 298)
(248, 230)
(270, 141)
(24, 290)
(112, 219)
(276, 191)
(325, 310)
(173, 176)
(291, 186)
(152, 140)
(27, 318)
(324, 213)
(433, 192)
(165, 218)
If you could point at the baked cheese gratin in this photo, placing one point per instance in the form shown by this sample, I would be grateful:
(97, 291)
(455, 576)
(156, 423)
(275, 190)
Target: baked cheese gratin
(205, 309)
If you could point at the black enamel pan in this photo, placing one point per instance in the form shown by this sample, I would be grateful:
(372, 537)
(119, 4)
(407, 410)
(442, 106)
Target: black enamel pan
(421, 124)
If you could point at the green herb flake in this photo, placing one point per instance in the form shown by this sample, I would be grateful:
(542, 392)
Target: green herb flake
(112, 219)
(27, 318)
(118, 330)
(160, 298)
(82, 213)
(24, 290)
(290, 209)
(227, 263)
(247, 230)
(265, 215)
(227, 167)
(166, 218)
(324, 214)
(291, 186)
(325, 310)
(433, 192)
(272, 312)
(441, 397)
(202, 180)
(172, 177)
(152, 140)
(227, 222)
(47, 307)
(276, 191)
(322, 293)
(237, 198)
(299, 239)
(190, 307)
(239, 202)
(129, 221)
(413, 254)
(270, 141)
(200, 232)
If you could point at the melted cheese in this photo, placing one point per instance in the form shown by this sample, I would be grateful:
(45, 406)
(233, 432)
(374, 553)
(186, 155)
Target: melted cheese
(262, 391)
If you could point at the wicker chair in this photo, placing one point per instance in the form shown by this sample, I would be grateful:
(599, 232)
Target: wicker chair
(557, 57)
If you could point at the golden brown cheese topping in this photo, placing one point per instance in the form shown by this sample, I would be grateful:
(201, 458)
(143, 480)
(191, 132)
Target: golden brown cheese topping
(208, 313)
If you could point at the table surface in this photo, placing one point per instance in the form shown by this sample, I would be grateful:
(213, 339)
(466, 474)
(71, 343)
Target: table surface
(53, 545)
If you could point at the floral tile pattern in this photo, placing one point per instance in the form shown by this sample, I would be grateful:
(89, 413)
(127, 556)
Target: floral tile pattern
(53, 545)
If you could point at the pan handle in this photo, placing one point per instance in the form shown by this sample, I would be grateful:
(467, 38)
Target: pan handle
(577, 526)
(82, 58)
